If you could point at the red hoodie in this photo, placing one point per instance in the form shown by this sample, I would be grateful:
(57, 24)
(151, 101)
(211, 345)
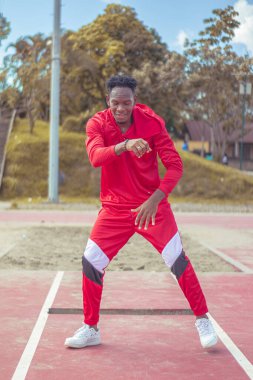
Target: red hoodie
(127, 180)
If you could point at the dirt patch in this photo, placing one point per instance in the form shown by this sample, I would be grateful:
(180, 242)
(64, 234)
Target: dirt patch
(61, 248)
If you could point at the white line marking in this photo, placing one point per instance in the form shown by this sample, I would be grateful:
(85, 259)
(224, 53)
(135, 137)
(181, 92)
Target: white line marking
(27, 356)
(233, 349)
(231, 346)
(231, 261)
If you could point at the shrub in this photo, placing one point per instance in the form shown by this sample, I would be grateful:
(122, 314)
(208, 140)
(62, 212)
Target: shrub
(72, 124)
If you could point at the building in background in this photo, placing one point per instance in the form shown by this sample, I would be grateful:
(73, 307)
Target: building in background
(198, 133)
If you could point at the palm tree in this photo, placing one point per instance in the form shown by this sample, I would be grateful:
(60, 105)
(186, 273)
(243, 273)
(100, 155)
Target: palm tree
(29, 64)
(4, 28)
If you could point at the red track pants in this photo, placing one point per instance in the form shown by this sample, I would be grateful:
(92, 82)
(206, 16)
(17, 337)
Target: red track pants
(112, 230)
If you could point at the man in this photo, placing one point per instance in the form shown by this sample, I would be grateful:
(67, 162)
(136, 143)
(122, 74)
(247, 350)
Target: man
(225, 159)
(124, 141)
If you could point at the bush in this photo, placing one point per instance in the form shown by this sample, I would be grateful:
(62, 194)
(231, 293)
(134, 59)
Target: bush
(77, 123)
(85, 116)
(72, 124)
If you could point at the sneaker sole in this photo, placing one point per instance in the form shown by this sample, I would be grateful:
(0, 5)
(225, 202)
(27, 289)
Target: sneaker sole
(95, 343)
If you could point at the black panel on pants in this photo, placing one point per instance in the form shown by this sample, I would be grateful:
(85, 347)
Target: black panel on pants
(92, 273)
(179, 265)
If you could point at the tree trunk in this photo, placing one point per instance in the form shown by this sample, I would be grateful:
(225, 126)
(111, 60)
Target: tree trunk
(31, 121)
(30, 113)
(212, 143)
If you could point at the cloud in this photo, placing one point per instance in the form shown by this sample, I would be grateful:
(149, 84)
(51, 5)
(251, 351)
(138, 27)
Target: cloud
(244, 34)
(180, 40)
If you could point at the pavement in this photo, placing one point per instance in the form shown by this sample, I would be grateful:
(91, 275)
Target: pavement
(146, 326)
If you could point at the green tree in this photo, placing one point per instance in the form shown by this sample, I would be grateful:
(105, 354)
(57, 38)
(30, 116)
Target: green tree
(9, 96)
(161, 86)
(212, 75)
(79, 72)
(28, 67)
(4, 28)
(115, 42)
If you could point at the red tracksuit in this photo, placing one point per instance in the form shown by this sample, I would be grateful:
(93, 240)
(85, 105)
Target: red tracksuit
(126, 182)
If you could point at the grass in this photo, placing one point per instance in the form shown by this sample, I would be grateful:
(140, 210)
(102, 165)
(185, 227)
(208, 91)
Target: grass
(205, 180)
(26, 172)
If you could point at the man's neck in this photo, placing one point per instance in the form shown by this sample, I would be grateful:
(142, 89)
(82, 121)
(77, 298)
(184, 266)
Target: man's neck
(125, 126)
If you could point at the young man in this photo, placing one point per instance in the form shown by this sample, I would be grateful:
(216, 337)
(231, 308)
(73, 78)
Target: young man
(124, 140)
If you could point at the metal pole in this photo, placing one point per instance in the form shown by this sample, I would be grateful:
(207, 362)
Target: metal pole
(243, 124)
(53, 179)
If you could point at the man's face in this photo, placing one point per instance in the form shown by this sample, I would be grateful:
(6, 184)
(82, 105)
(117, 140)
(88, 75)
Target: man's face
(121, 101)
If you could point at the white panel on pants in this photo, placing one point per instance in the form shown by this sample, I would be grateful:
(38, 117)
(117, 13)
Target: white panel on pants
(94, 254)
(172, 250)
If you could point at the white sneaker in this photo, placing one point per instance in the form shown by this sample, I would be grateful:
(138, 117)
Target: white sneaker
(85, 336)
(207, 334)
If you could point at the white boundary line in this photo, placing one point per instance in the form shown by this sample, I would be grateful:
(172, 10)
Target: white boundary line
(28, 353)
(227, 341)
(231, 261)
(237, 354)
(233, 349)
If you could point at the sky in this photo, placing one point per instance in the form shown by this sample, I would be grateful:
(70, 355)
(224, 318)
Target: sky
(174, 20)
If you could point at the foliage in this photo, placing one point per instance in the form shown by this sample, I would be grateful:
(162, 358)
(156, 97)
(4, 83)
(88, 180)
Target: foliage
(72, 124)
(77, 123)
(115, 42)
(213, 73)
(77, 71)
(161, 86)
(4, 28)
(28, 66)
(10, 96)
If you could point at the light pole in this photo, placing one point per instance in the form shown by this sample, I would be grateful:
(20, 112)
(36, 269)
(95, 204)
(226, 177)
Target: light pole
(53, 177)
(245, 89)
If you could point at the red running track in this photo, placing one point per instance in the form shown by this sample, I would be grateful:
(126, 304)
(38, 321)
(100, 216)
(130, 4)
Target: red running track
(133, 347)
(231, 221)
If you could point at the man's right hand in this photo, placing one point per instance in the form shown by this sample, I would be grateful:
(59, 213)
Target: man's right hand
(138, 146)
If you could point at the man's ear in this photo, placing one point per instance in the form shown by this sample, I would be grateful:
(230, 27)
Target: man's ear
(108, 100)
(135, 99)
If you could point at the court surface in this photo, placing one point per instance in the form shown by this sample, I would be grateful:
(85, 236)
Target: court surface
(146, 326)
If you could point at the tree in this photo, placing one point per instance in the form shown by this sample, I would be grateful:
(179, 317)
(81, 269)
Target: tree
(212, 75)
(4, 28)
(4, 32)
(28, 66)
(115, 42)
(9, 96)
(79, 72)
(161, 86)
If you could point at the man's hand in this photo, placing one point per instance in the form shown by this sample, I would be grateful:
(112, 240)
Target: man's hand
(147, 211)
(138, 146)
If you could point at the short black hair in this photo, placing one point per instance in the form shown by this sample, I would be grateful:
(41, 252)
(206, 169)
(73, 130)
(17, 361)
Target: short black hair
(121, 81)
